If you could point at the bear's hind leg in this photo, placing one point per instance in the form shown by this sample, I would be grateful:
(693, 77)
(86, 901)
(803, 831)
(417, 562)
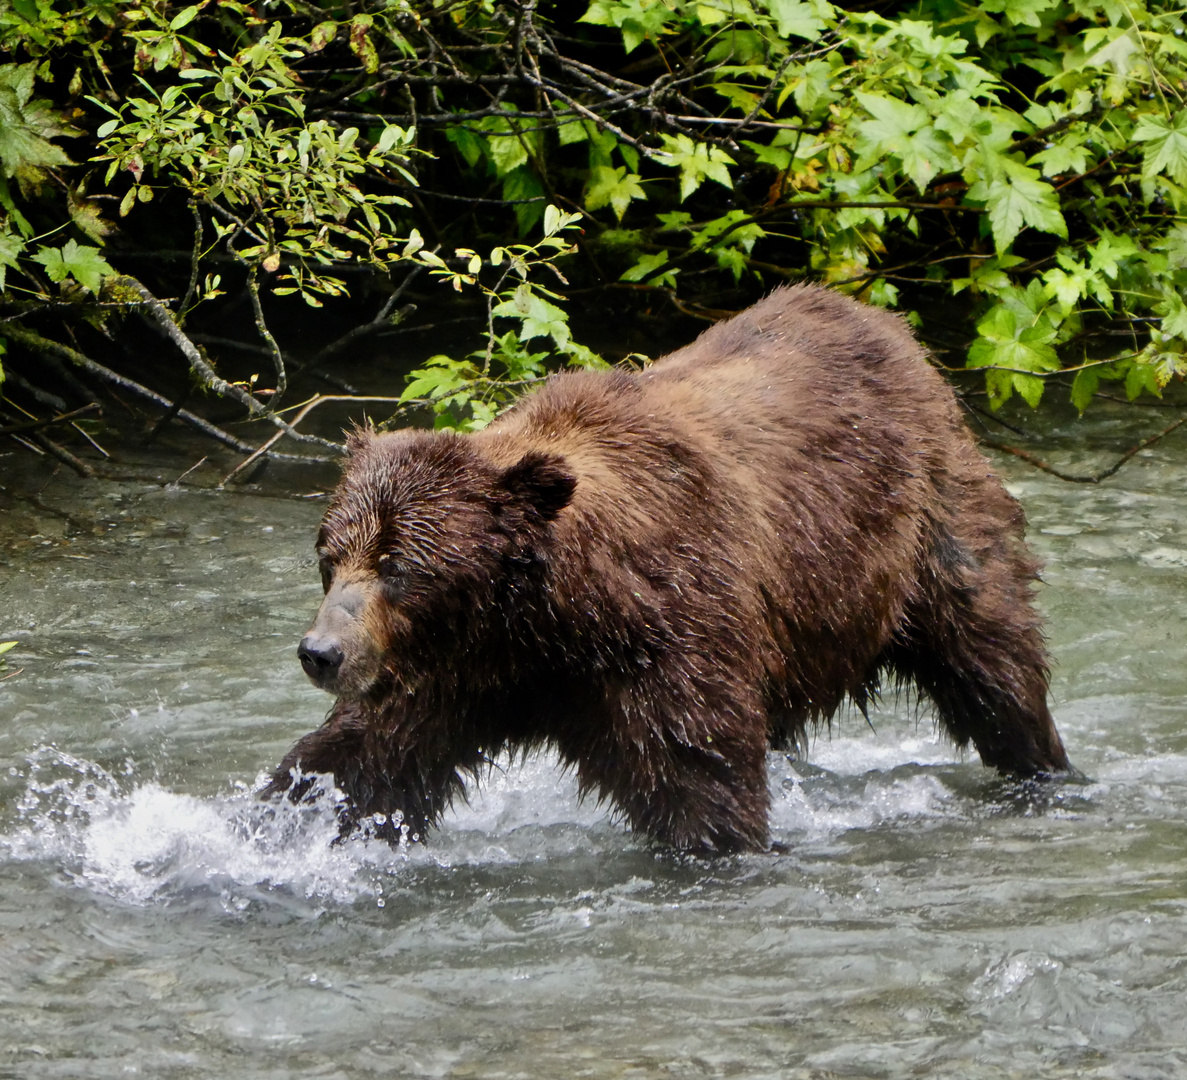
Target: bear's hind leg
(973, 644)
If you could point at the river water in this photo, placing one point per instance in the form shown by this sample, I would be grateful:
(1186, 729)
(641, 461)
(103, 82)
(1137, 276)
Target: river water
(930, 919)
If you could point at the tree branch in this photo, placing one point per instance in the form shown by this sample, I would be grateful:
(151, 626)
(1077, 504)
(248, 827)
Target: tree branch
(1091, 478)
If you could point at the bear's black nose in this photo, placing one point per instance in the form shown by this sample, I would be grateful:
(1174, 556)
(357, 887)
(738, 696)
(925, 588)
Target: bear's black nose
(320, 659)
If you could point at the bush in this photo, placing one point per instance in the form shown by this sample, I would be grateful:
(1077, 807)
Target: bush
(1026, 156)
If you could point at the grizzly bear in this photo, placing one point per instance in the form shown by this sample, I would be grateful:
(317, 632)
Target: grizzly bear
(661, 574)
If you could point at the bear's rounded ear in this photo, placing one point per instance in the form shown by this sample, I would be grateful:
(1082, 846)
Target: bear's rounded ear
(542, 481)
(359, 437)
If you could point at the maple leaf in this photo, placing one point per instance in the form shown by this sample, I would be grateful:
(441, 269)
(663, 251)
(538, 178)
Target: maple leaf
(1019, 349)
(1166, 146)
(1174, 315)
(793, 18)
(538, 318)
(1111, 247)
(1017, 197)
(613, 187)
(697, 163)
(1071, 281)
(75, 260)
(904, 130)
(1019, 12)
(440, 376)
(26, 126)
(646, 268)
(1062, 157)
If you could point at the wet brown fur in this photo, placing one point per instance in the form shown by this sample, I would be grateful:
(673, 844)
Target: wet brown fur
(663, 574)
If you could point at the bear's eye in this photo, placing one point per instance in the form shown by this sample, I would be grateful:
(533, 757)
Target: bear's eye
(392, 572)
(326, 569)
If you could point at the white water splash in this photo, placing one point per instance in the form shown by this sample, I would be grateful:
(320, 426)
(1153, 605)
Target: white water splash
(141, 843)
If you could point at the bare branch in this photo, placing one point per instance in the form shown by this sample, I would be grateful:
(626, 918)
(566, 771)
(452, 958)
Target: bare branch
(39, 344)
(37, 425)
(195, 262)
(303, 411)
(1091, 478)
(383, 319)
(164, 322)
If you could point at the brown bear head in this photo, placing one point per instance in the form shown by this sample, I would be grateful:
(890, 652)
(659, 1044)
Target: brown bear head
(424, 541)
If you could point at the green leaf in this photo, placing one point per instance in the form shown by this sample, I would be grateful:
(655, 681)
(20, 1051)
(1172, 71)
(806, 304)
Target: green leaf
(599, 13)
(1019, 12)
(675, 221)
(1017, 198)
(441, 375)
(84, 264)
(1072, 281)
(571, 129)
(1174, 315)
(1166, 145)
(903, 130)
(892, 118)
(697, 162)
(26, 126)
(647, 267)
(518, 186)
(1109, 249)
(1062, 157)
(779, 157)
(1018, 349)
(11, 248)
(468, 144)
(1084, 387)
(613, 187)
(1142, 377)
(184, 17)
(6, 645)
(793, 18)
(541, 319)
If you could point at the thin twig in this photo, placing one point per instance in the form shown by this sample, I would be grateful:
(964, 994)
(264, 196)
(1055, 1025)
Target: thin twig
(1092, 478)
(37, 425)
(303, 411)
(195, 261)
(37, 343)
(266, 334)
(93, 441)
(197, 465)
(381, 320)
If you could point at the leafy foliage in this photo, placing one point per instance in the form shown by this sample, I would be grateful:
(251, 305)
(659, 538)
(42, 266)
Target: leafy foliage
(468, 394)
(1027, 157)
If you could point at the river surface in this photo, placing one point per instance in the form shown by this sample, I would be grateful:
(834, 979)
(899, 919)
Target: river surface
(929, 920)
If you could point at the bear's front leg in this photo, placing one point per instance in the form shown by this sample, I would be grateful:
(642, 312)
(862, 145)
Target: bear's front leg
(693, 777)
(337, 749)
(381, 771)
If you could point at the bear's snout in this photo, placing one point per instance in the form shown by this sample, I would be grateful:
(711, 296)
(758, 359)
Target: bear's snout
(340, 652)
(320, 658)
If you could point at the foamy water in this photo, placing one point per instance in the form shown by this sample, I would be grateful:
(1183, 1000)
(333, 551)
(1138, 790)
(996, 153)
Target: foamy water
(141, 843)
(138, 842)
